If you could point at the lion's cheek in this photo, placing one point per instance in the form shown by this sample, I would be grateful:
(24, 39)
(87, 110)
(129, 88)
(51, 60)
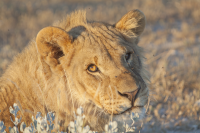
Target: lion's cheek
(115, 106)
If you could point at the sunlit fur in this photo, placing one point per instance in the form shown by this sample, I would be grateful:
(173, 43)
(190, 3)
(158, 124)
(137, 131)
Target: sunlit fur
(51, 73)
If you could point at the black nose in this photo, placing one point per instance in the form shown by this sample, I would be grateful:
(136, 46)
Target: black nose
(131, 95)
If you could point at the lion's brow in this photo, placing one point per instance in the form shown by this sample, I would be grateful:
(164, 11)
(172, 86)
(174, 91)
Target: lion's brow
(96, 60)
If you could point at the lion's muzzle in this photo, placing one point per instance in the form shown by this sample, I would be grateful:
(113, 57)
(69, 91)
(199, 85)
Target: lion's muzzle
(131, 95)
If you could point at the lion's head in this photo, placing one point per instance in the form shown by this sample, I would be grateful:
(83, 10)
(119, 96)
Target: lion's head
(101, 64)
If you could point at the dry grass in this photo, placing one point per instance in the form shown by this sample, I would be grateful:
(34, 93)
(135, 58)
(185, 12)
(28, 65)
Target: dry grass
(171, 41)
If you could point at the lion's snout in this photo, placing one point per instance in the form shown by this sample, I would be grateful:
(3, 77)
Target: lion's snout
(131, 95)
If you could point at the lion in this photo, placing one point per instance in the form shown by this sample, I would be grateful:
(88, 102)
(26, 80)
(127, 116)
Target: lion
(76, 62)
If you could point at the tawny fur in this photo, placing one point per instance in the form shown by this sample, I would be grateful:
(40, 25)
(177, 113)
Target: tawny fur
(51, 74)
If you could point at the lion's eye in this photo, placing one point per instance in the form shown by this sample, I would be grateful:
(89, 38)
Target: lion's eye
(127, 56)
(92, 68)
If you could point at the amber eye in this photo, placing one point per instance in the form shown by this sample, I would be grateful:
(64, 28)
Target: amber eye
(92, 68)
(127, 56)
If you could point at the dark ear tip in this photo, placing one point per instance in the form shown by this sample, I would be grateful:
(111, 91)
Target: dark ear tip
(138, 14)
(137, 10)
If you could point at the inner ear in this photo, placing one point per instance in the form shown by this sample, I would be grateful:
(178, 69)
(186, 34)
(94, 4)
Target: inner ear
(52, 44)
(57, 52)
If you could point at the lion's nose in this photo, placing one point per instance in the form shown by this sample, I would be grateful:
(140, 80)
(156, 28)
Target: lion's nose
(131, 95)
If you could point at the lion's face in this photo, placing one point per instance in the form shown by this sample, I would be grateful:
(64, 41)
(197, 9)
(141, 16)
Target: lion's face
(102, 63)
(107, 71)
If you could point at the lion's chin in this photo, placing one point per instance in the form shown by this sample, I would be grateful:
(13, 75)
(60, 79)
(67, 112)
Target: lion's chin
(125, 117)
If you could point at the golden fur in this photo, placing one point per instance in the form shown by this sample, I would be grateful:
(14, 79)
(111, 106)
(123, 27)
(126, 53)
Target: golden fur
(52, 74)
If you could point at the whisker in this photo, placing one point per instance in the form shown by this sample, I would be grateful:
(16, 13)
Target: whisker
(148, 104)
(112, 101)
(116, 92)
(97, 91)
(58, 102)
(70, 92)
(84, 96)
(42, 95)
(95, 111)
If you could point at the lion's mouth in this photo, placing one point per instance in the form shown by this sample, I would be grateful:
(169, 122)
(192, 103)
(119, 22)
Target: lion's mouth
(134, 105)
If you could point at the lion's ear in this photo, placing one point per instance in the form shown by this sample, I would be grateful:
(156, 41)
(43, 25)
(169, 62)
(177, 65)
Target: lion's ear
(132, 23)
(53, 43)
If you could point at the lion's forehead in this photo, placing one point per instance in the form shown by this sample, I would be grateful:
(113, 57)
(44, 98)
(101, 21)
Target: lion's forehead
(104, 44)
(102, 40)
(101, 51)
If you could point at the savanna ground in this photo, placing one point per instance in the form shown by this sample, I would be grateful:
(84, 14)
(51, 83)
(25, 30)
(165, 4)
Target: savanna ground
(171, 41)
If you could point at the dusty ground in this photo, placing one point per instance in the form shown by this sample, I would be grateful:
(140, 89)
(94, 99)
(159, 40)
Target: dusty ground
(171, 41)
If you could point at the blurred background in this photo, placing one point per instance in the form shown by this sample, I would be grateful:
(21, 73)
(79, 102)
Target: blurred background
(171, 41)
